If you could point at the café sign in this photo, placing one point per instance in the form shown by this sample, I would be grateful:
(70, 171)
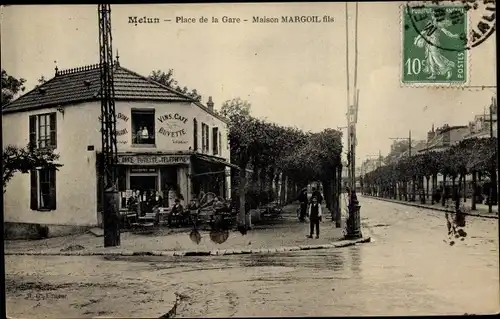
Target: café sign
(172, 125)
(153, 159)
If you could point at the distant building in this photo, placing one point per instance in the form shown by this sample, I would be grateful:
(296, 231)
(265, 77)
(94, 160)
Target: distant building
(444, 137)
(480, 126)
(369, 165)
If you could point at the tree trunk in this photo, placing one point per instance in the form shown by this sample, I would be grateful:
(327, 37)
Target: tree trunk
(405, 190)
(427, 179)
(422, 189)
(494, 184)
(474, 190)
(413, 188)
(326, 192)
(443, 199)
(464, 187)
(242, 221)
(283, 189)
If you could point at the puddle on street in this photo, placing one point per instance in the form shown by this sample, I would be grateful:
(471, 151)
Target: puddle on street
(318, 259)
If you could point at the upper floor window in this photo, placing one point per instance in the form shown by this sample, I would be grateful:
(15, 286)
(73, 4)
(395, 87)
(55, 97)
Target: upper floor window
(195, 135)
(143, 127)
(215, 140)
(43, 130)
(205, 138)
(43, 189)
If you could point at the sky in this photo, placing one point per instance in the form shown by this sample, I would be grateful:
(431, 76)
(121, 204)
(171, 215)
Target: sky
(292, 74)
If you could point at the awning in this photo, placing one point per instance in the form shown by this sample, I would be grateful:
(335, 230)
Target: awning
(215, 160)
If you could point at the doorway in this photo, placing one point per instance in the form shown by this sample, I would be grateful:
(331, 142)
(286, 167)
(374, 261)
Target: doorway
(143, 183)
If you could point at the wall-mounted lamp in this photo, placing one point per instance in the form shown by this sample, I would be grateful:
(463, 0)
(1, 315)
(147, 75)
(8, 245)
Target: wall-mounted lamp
(60, 110)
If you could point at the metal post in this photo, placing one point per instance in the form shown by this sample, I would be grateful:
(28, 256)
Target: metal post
(495, 106)
(108, 130)
(493, 173)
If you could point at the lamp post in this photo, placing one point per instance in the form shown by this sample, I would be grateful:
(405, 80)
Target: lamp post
(353, 220)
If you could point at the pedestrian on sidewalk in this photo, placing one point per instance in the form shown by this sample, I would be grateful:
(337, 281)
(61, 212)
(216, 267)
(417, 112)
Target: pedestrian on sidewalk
(302, 198)
(314, 217)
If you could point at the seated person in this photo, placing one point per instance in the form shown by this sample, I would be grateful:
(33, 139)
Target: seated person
(177, 211)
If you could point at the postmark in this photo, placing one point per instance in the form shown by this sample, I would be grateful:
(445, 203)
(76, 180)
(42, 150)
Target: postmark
(431, 16)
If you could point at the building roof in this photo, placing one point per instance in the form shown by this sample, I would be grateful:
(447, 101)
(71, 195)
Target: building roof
(83, 84)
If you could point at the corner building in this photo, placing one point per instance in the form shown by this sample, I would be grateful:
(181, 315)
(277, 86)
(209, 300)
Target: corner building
(166, 142)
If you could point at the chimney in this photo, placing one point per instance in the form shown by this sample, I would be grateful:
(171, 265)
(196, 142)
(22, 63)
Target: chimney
(210, 104)
(430, 135)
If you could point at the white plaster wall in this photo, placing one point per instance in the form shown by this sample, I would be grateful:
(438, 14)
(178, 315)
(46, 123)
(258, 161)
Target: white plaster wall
(76, 183)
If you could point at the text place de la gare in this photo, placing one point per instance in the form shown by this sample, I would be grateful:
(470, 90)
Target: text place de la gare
(136, 20)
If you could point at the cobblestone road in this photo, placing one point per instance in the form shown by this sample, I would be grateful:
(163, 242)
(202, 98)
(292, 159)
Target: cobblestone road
(407, 270)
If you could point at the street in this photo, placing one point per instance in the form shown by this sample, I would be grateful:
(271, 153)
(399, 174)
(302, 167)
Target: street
(407, 270)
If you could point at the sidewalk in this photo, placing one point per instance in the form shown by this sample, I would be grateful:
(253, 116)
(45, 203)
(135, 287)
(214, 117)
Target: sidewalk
(286, 235)
(481, 211)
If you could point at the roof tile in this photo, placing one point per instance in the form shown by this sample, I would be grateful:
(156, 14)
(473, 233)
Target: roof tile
(83, 84)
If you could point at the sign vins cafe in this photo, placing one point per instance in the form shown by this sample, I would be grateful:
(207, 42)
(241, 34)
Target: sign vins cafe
(170, 125)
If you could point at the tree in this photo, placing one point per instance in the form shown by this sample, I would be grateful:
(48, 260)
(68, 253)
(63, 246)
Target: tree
(167, 79)
(10, 87)
(24, 160)
(235, 108)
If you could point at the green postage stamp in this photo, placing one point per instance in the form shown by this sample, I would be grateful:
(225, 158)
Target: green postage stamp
(434, 45)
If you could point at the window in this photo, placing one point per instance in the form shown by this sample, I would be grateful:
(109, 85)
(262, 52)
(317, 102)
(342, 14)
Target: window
(195, 135)
(143, 127)
(43, 130)
(215, 140)
(43, 189)
(205, 132)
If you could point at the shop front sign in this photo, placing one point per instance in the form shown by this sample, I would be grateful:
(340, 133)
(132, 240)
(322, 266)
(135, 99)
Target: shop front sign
(173, 126)
(121, 129)
(153, 159)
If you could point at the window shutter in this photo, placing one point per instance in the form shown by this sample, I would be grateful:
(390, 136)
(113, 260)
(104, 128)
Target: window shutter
(52, 177)
(207, 137)
(32, 131)
(220, 143)
(34, 190)
(53, 130)
(215, 146)
(195, 134)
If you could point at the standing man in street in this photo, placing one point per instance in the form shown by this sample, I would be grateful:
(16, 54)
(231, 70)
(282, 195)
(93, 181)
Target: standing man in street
(314, 217)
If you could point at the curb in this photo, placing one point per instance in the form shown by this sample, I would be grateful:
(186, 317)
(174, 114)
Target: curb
(217, 252)
(429, 207)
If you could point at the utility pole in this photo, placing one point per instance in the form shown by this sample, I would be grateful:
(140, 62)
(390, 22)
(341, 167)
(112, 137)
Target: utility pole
(108, 160)
(493, 169)
(495, 107)
(354, 219)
